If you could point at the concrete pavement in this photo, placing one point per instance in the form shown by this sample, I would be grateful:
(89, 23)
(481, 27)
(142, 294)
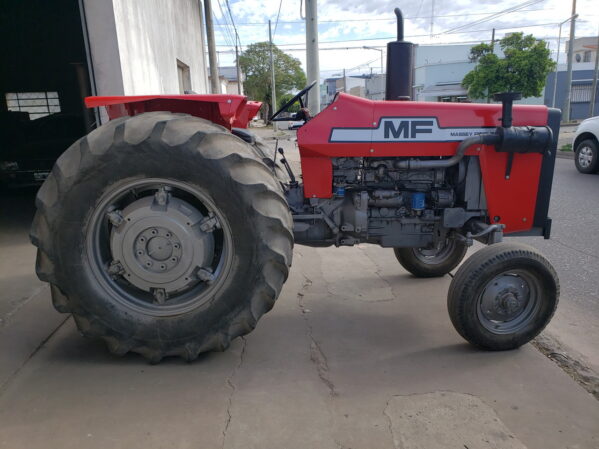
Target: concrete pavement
(332, 366)
(355, 354)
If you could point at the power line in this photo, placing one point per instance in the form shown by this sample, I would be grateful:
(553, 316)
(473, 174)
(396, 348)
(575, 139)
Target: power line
(419, 35)
(233, 21)
(223, 32)
(477, 41)
(277, 21)
(495, 15)
(227, 24)
(388, 20)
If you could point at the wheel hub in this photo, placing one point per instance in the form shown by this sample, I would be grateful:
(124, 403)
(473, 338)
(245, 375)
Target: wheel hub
(160, 244)
(504, 298)
(585, 157)
(157, 249)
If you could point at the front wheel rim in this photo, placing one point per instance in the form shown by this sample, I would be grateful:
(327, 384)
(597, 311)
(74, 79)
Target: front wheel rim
(509, 302)
(158, 246)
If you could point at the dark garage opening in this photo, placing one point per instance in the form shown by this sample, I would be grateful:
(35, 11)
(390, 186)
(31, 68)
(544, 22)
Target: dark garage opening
(43, 77)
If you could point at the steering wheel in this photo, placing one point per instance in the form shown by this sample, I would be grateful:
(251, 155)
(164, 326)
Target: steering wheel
(297, 97)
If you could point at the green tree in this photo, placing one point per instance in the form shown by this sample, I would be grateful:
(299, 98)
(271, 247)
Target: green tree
(255, 64)
(284, 99)
(524, 68)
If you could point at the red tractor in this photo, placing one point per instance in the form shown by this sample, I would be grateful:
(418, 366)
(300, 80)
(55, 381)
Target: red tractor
(170, 229)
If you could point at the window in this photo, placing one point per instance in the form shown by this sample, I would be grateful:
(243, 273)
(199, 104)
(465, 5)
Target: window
(184, 77)
(581, 93)
(587, 56)
(37, 104)
(453, 99)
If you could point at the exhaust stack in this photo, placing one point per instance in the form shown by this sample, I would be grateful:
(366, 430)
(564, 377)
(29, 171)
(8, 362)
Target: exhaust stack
(400, 57)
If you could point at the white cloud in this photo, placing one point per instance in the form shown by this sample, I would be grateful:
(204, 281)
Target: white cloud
(373, 23)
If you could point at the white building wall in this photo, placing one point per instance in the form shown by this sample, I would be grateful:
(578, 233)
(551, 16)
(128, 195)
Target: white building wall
(152, 35)
(104, 48)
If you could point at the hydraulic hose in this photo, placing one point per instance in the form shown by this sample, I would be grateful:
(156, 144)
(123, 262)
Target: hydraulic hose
(481, 139)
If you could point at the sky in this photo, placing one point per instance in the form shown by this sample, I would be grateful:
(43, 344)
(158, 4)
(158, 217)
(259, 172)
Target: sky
(346, 26)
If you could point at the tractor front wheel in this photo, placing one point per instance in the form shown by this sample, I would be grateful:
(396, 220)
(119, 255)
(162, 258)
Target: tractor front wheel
(503, 296)
(163, 234)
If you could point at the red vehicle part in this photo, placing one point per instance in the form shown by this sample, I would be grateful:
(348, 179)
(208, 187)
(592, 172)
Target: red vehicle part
(230, 111)
(511, 201)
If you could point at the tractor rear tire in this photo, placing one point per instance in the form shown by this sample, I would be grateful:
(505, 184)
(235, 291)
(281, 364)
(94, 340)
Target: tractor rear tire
(200, 225)
(425, 263)
(503, 296)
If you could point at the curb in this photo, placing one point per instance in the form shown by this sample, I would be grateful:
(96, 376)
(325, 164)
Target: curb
(565, 154)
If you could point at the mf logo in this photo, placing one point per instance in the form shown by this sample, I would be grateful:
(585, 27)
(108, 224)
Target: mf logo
(406, 129)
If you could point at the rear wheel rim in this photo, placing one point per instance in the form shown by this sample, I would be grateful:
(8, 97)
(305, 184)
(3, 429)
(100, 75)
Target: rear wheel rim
(509, 302)
(158, 246)
(585, 157)
(437, 254)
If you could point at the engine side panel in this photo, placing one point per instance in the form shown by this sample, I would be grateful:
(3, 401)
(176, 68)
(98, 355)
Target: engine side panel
(356, 127)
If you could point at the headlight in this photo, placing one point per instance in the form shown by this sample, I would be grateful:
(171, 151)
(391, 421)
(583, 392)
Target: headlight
(9, 166)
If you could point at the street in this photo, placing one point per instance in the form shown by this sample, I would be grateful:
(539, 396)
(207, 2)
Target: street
(356, 353)
(574, 251)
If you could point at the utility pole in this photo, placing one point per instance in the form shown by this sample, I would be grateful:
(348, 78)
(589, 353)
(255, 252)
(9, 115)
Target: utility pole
(312, 62)
(238, 68)
(344, 82)
(273, 93)
(559, 42)
(214, 82)
(492, 51)
(595, 74)
(566, 108)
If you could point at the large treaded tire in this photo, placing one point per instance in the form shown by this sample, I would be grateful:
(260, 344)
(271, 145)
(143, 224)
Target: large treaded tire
(478, 272)
(435, 267)
(189, 150)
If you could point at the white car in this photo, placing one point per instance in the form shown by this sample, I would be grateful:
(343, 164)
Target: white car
(586, 146)
(296, 124)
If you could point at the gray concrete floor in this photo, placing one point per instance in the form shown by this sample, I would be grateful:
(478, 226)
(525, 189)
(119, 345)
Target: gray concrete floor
(356, 354)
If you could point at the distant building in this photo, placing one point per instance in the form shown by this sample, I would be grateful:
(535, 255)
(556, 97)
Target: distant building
(229, 84)
(375, 87)
(585, 49)
(580, 98)
(370, 86)
(439, 71)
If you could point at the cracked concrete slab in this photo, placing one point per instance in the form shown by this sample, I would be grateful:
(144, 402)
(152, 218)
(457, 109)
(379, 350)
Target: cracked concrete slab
(447, 420)
(324, 369)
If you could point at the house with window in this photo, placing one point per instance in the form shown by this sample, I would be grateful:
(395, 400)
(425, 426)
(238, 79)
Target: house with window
(227, 78)
(583, 72)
